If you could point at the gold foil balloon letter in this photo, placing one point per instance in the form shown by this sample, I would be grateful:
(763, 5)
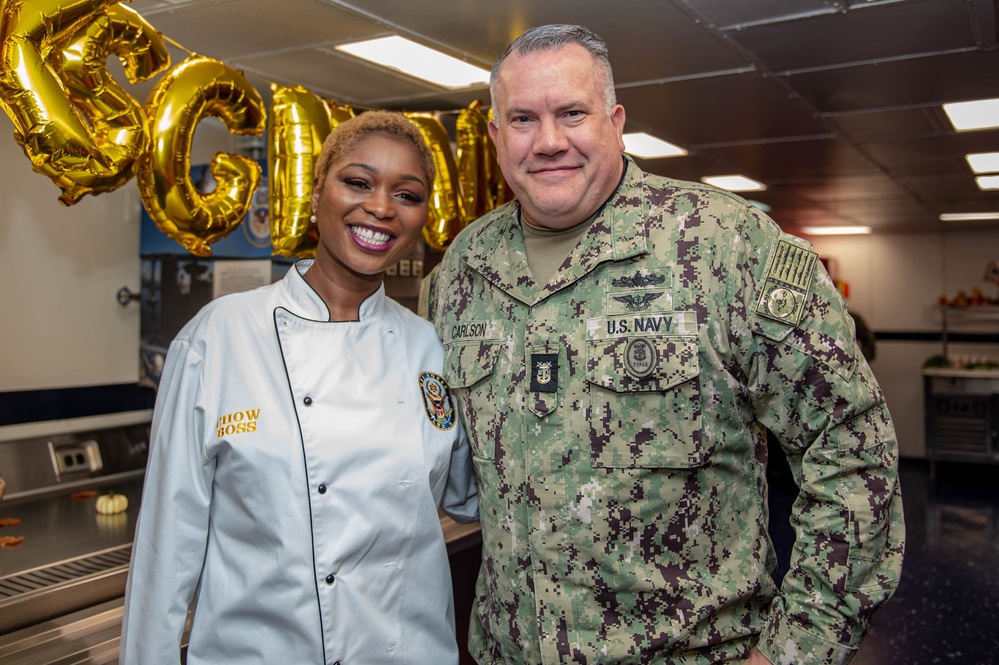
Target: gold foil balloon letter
(47, 125)
(446, 215)
(300, 122)
(117, 119)
(196, 88)
(482, 184)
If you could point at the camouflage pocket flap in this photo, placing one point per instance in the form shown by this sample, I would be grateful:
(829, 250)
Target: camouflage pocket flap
(775, 330)
(467, 363)
(633, 364)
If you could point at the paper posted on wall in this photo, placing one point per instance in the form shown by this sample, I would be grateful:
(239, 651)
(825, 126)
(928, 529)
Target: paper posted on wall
(240, 275)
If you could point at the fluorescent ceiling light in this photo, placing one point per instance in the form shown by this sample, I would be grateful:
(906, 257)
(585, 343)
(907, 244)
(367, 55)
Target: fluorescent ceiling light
(734, 183)
(986, 182)
(969, 116)
(968, 216)
(835, 230)
(984, 162)
(416, 60)
(647, 146)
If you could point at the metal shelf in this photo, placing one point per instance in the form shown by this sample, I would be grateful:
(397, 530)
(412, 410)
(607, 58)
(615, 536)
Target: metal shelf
(962, 405)
(969, 313)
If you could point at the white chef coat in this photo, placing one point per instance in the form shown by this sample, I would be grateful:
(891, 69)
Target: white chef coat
(293, 482)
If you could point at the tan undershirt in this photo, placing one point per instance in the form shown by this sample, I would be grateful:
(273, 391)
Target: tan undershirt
(547, 249)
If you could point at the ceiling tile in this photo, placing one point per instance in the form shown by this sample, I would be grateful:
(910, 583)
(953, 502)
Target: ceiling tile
(242, 28)
(928, 81)
(734, 15)
(866, 33)
(865, 126)
(723, 109)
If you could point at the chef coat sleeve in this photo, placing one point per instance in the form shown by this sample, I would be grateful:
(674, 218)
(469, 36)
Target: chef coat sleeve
(813, 390)
(172, 529)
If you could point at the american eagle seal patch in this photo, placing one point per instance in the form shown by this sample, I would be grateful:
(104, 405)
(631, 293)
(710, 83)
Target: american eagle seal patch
(437, 400)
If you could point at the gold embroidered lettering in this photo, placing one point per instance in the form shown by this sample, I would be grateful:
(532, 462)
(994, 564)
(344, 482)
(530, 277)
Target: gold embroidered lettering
(238, 422)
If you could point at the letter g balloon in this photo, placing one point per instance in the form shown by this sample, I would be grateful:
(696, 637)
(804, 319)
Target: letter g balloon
(196, 88)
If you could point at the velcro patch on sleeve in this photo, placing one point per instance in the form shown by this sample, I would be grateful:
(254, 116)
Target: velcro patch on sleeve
(786, 282)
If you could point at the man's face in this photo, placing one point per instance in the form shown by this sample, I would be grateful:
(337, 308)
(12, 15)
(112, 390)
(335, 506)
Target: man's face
(559, 150)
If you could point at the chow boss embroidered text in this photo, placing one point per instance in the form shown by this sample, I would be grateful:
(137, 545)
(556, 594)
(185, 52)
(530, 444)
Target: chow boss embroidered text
(238, 422)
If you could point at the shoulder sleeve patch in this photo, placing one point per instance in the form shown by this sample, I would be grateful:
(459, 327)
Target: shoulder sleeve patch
(437, 400)
(787, 281)
(428, 291)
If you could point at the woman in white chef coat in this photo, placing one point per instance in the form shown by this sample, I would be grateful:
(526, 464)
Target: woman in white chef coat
(302, 441)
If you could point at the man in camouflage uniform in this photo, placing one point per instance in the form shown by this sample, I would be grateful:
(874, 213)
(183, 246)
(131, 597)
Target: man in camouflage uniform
(617, 342)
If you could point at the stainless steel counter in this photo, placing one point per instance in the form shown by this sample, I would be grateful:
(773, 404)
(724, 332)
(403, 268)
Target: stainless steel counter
(91, 635)
(60, 585)
(61, 527)
(71, 558)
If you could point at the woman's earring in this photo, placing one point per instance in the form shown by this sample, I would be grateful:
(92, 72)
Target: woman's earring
(313, 218)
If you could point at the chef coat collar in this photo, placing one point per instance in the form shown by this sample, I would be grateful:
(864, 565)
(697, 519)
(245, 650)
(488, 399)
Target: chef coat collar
(310, 305)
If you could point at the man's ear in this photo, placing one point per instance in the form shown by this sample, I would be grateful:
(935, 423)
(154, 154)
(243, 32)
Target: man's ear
(617, 119)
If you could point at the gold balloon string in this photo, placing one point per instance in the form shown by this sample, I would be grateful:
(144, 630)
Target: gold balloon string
(358, 107)
(176, 44)
(362, 107)
(443, 112)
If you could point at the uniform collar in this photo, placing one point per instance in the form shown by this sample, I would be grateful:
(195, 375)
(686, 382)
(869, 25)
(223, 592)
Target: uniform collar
(309, 305)
(618, 232)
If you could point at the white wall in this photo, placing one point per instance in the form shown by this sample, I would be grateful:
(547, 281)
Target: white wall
(60, 268)
(894, 282)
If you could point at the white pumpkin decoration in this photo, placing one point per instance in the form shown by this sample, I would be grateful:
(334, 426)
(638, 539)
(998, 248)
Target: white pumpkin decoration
(112, 504)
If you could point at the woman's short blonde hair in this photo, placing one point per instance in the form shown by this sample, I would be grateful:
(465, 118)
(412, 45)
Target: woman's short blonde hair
(391, 124)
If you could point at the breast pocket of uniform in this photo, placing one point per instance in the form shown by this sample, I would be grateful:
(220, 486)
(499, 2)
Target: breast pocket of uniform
(468, 370)
(644, 402)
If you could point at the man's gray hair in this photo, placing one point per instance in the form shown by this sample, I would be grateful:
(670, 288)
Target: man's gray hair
(555, 36)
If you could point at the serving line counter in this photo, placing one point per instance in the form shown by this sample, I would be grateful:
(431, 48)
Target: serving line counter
(962, 414)
(62, 586)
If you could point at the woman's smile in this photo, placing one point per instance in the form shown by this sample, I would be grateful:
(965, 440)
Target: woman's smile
(371, 239)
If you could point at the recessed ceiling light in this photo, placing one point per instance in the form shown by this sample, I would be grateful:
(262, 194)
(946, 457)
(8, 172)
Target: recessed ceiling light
(734, 183)
(983, 162)
(835, 230)
(968, 216)
(987, 182)
(416, 60)
(647, 146)
(969, 116)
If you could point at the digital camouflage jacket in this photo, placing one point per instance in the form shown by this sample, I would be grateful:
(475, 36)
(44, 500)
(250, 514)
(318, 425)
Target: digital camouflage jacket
(617, 415)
